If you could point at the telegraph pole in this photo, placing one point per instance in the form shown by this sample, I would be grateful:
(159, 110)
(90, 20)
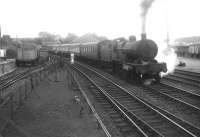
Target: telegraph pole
(167, 25)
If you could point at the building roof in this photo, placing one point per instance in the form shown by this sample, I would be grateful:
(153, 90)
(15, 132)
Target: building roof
(189, 40)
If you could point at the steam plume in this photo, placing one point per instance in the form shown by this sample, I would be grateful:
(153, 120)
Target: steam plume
(145, 5)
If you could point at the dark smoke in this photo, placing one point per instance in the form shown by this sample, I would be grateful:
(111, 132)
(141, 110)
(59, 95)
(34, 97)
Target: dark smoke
(145, 5)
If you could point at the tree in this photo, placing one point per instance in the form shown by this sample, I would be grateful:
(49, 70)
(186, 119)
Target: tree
(47, 37)
(70, 37)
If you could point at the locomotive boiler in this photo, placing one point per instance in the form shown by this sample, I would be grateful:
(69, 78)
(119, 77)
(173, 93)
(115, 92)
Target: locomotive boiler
(144, 49)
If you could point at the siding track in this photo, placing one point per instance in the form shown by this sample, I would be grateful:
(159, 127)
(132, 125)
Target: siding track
(142, 115)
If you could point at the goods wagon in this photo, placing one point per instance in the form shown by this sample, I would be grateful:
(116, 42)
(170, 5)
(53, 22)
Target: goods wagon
(27, 55)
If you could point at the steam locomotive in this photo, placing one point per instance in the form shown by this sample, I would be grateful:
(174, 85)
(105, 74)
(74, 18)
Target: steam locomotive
(135, 59)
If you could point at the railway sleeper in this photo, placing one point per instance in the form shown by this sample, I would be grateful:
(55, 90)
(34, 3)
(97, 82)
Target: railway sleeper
(158, 124)
(119, 95)
(137, 110)
(122, 100)
(122, 124)
(117, 120)
(116, 116)
(113, 112)
(126, 129)
(107, 107)
(150, 117)
(100, 99)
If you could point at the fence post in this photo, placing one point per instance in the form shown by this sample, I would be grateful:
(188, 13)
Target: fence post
(26, 90)
(11, 107)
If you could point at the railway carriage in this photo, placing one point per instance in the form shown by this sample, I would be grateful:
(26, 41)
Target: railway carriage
(89, 50)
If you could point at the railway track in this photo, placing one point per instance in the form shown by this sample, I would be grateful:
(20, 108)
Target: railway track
(16, 73)
(186, 105)
(185, 96)
(6, 76)
(185, 77)
(189, 73)
(126, 126)
(19, 73)
(147, 120)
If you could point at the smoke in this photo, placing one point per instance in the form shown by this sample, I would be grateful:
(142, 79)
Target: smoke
(167, 55)
(145, 5)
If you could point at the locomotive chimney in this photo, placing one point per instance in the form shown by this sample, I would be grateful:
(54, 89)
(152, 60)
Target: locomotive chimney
(143, 36)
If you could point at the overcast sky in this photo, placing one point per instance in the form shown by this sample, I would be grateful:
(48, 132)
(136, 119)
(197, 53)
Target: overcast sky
(111, 18)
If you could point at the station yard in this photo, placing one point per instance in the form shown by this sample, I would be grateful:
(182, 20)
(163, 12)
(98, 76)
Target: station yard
(51, 111)
(190, 64)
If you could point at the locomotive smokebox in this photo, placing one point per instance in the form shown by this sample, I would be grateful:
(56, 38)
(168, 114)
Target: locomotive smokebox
(143, 36)
(144, 49)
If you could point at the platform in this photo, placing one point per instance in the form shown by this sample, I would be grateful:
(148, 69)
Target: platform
(191, 64)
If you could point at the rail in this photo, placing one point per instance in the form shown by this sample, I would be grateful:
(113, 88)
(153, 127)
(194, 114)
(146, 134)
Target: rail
(144, 104)
(91, 107)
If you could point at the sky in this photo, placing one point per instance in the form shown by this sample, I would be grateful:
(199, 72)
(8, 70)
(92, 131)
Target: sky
(110, 18)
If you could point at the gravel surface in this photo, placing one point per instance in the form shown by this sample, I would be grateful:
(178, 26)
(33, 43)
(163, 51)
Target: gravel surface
(52, 112)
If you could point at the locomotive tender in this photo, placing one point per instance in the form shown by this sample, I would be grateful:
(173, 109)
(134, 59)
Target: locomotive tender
(136, 59)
